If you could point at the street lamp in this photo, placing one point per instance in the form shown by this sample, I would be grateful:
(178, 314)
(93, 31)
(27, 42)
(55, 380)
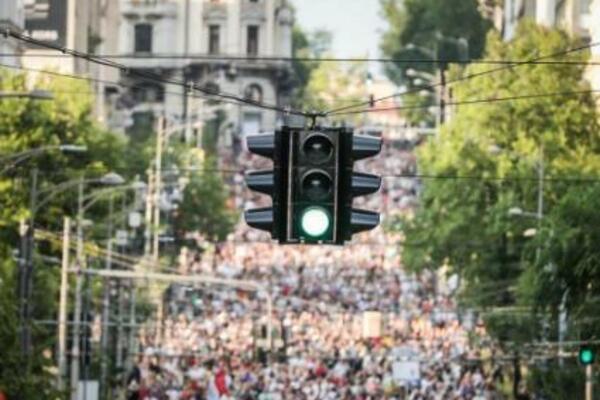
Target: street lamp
(112, 179)
(36, 94)
(518, 212)
(22, 156)
(413, 73)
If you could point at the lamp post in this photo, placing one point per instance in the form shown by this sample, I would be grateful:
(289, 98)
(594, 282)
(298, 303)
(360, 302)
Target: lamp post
(434, 54)
(108, 179)
(104, 337)
(539, 216)
(26, 267)
(24, 288)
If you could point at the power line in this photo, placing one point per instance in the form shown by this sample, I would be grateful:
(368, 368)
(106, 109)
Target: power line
(383, 174)
(369, 110)
(154, 77)
(462, 78)
(495, 178)
(108, 82)
(250, 59)
(490, 100)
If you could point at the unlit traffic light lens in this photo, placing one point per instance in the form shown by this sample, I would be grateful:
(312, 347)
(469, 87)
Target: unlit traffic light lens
(318, 149)
(317, 185)
(315, 221)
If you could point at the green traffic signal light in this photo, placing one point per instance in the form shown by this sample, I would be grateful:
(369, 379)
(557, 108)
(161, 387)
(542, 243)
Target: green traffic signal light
(315, 221)
(587, 355)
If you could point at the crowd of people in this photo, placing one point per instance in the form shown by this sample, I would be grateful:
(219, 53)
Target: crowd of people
(320, 322)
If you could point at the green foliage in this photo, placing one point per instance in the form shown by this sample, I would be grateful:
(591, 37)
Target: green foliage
(560, 382)
(432, 28)
(464, 223)
(27, 124)
(334, 85)
(423, 23)
(205, 208)
(301, 48)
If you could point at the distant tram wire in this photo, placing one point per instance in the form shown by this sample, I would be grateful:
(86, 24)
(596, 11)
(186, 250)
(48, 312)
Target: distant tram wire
(335, 111)
(369, 110)
(250, 59)
(474, 102)
(108, 82)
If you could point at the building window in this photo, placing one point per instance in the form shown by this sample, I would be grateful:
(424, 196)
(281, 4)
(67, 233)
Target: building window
(252, 43)
(143, 38)
(586, 6)
(148, 93)
(214, 37)
(254, 92)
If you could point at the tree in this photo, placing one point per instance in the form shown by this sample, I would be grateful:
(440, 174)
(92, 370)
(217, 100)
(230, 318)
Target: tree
(24, 125)
(305, 46)
(205, 208)
(334, 85)
(464, 223)
(431, 24)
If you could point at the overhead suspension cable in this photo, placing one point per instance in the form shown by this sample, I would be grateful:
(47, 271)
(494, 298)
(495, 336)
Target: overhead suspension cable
(250, 59)
(154, 77)
(490, 100)
(462, 78)
(108, 82)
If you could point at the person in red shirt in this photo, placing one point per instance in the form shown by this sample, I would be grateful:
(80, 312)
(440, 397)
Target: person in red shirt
(221, 382)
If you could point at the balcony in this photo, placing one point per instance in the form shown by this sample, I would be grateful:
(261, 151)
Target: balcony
(254, 10)
(215, 9)
(150, 9)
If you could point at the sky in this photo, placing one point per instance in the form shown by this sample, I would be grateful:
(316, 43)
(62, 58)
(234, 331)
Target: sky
(355, 24)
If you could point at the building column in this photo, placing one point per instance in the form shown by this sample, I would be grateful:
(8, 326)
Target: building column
(545, 12)
(593, 73)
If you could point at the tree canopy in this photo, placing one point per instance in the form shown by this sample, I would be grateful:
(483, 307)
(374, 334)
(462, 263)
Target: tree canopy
(490, 155)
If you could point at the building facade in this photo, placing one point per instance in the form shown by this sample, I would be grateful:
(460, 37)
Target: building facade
(574, 16)
(11, 17)
(581, 18)
(225, 46)
(65, 23)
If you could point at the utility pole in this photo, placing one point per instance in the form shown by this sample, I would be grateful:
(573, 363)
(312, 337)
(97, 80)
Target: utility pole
(106, 304)
(148, 214)
(589, 382)
(157, 189)
(121, 291)
(26, 274)
(75, 350)
(62, 311)
(442, 116)
(132, 321)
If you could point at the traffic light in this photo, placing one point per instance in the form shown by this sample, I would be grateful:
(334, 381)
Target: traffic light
(587, 355)
(313, 184)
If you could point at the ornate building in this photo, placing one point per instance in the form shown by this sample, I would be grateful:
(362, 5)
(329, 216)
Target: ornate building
(223, 45)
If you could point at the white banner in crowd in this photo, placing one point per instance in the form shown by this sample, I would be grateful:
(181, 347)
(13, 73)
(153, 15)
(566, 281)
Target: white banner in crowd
(372, 324)
(406, 371)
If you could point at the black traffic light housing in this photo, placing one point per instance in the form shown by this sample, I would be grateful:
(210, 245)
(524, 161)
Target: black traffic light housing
(313, 184)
